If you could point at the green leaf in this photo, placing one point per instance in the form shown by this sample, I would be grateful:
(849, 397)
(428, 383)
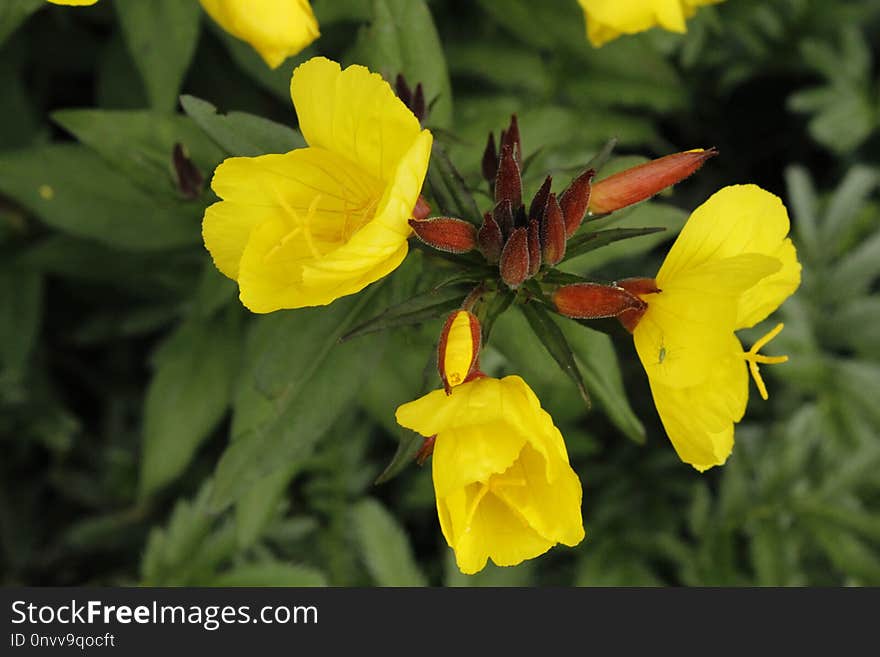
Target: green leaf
(426, 306)
(21, 311)
(802, 197)
(140, 143)
(13, 13)
(293, 390)
(74, 190)
(161, 36)
(586, 242)
(597, 358)
(857, 270)
(402, 39)
(554, 341)
(239, 133)
(187, 397)
(257, 506)
(270, 573)
(848, 199)
(384, 546)
(448, 189)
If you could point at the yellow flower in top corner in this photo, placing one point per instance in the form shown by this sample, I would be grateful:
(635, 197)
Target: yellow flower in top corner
(318, 223)
(277, 29)
(608, 19)
(731, 266)
(73, 3)
(505, 490)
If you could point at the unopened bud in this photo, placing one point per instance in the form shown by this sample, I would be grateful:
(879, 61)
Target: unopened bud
(446, 234)
(575, 200)
(459, 349)
(539, 202)
(189, 179)
(426, 450)
(636, 286)
(642, 182)
(489, 239)
(508, 184)
(553, 233)
(534, 240)
(422, 209)
(503, 213)
(418, 103)
(489, 164)
(510, 137)
(594, 301)
(514, 264)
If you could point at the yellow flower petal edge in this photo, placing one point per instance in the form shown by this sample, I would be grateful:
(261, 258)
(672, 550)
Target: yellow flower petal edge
(306, 227)
(73, 3)
(276, 29)
(505, 490)
(730, 267)
(608, 19)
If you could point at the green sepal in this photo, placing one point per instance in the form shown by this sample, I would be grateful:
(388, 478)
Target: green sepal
(581, 244)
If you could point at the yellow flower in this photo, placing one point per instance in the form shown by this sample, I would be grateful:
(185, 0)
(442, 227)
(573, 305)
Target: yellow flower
(73, 3)
(277, 29)
(317, 223)
(608, 19)
(731, 266)
(504, 487)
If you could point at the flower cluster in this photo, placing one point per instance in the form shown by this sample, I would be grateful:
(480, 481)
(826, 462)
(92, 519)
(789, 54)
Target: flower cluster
(307, 227)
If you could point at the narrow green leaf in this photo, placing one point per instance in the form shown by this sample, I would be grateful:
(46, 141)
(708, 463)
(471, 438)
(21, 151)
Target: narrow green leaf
(554, 341)
(239, 133)
(187, 397)
(601, 158)
(848, 199)
(271, 573)
(384, 546)
(586, 242)
(13, 13)
(428, 305)
(140, 143)
(448, 189)
(21, 311)
(161, 36)
(74, 190)
(802, 198)
(256, 508)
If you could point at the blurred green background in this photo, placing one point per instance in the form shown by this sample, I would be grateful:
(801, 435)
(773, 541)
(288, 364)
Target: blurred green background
(153, 431)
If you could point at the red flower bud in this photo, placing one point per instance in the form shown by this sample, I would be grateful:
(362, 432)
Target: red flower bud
(425, 450)
(458, 352)
(508, 184)
(503, 214)
(489, 239)
(422, 209)
(594, 301)
(642, 182)
(637, 286)
(534, 242)
(539, 203)
(514, 264)
(511, 138)
(553, 233)
(490, 160)
(575, 200)
(446, 234)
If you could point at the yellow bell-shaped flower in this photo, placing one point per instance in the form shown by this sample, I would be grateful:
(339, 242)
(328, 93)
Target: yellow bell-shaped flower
(73, 3)
(505, 490)
(608, 19)
(731, 266)
(276, 29)
(318, 223)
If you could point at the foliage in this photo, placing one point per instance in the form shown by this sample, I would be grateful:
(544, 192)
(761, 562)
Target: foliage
(155, 432)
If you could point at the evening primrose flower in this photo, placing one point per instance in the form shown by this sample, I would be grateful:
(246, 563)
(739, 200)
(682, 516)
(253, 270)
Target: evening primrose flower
(731, 266)
(608, 19)
(504, 487)
(73, 3)
(309, 226)
(276, 29)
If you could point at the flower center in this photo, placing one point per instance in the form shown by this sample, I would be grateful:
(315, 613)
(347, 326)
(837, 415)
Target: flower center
(752, 357)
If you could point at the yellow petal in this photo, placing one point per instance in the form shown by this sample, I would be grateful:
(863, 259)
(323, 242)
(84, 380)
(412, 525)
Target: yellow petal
(354, 113)
(608, 19)
(73, 3)
(276, 29)
(226, 230)
(699, 420)
(735, 220)
(756, 303)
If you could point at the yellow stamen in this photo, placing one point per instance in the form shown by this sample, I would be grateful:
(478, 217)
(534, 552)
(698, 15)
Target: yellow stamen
(303, 225)
(752, 357)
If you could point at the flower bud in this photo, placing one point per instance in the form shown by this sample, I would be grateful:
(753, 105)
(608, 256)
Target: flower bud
(459, 349)
(508, 184)
(594, 301)
(503, 214)
(639, 183)
(514, 264)
(489, 164)
(636, 286)
(553, 233)
(422, 208)
(446, 234)
(489, 239)
(539, 202)
(534, 243)
(575, 200)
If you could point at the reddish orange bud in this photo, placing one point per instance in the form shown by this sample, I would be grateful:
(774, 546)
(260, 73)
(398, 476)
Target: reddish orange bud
(426, 450)
(489, 239)
(503, 213)
(638, 287)
(539, 203)
(514, 264)
(594, 301)
(575, 200)
(553, 233)
(511, 138)
(490, 160)
(534, 240)
(422, 209)
(459, 349)
(446, 234)
(642, 182)
(508, 184)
